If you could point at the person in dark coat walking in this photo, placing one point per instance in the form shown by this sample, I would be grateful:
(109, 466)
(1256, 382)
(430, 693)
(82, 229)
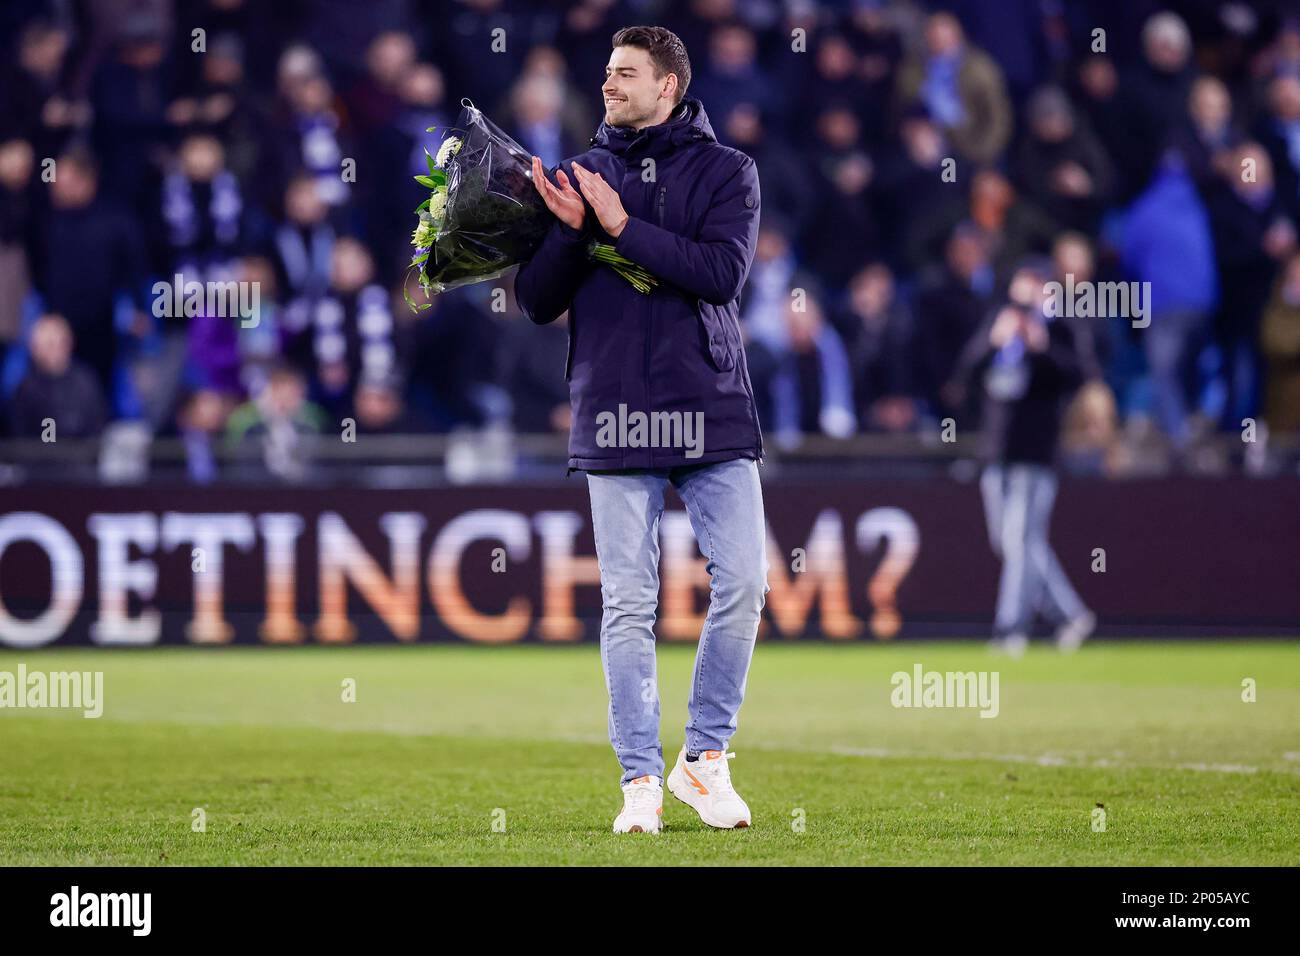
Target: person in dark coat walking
(1027, 361)
(661, 396)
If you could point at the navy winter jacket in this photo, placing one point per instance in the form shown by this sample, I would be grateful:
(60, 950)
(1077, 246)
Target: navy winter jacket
(693, 223)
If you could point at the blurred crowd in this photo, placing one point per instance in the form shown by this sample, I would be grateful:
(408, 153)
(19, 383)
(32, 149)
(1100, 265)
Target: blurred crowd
(912, 157)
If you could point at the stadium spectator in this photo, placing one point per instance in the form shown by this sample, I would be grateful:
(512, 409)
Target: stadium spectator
(226, 105)
(1090, 441)
(202, 206)
(576, 112)
(877, 329)
(1012, 227)
(951, 305)
(1280, 340)
(380, 409)
(1016, 34)
(962, 89)
(277, 422)
(90, 252)
(395, 153)
(840, 205)
(1060, 166)
(910, 198)
(834, 77)
(1167, 243)
(1213, 132)
(809, 390)
(537, 116)
(453, 358)
(376, 99)
(35, 103)
(129, 99)
(468, 45)
(1155, 94)
(533, 362)
(1252, 233)
(57, 388)
(787, 190)
(202, 212)
(1094, 335)
(771, 278)
(1097, 95)
(201, 421)
(18, 218)
(731, 74)
(1279, 131)
(231, 355)
(304, 247)
(1283, 54)
(313, 137)
(874, 36)
(351, 337)
(261, 332)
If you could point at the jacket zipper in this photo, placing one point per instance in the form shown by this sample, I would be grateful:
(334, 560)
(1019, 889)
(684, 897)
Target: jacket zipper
(649, 332)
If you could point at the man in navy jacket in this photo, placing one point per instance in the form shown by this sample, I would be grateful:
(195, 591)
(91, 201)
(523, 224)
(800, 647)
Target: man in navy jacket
(661, 395)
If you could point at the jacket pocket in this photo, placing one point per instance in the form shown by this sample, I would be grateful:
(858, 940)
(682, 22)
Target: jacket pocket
(717, 323)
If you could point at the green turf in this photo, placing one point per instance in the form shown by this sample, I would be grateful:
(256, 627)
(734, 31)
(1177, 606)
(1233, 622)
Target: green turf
(440, 737)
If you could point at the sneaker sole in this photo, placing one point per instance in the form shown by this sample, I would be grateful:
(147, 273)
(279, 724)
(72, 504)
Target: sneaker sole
(638, 829)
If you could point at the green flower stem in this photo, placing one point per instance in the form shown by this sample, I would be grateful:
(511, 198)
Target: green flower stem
(641, 279)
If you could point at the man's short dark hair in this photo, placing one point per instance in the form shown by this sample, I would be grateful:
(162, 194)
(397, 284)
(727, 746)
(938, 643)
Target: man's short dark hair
(667, 52)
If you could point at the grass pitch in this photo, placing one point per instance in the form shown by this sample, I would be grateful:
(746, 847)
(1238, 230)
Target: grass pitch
(443, 742)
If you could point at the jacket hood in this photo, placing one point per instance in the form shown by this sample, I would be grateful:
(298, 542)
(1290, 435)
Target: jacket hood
(689, 123)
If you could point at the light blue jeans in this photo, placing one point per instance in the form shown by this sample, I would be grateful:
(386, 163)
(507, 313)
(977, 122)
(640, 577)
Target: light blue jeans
(1018, 502)
(725, 504)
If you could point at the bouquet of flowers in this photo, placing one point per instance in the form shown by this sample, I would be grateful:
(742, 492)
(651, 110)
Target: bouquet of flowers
(483, 214)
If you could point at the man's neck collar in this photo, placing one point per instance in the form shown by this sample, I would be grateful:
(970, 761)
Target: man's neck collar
(676, 113)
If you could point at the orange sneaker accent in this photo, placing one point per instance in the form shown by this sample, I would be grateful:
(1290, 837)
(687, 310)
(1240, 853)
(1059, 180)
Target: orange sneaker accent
(712, 754)
(700, 788)
(645, 779)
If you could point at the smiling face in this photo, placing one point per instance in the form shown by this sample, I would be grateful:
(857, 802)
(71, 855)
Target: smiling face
(633, 95)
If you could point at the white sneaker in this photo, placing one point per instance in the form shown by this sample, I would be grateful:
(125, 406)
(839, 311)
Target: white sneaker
(643, 806)
(1013, 645)
(1075, 631)
(704, 785)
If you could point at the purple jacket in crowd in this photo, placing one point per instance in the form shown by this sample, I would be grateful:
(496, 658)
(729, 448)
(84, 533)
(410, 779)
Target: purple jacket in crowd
(693, 223)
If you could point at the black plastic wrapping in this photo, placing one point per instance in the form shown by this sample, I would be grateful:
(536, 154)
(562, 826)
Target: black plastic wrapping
(494, 217)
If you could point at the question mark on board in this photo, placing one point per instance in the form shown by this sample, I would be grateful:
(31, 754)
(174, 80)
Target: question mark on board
(902, 542)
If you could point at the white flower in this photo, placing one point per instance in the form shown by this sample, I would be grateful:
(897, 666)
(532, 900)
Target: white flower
(449, 148)
(437, 205)
(424, 235)
(430, 219)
